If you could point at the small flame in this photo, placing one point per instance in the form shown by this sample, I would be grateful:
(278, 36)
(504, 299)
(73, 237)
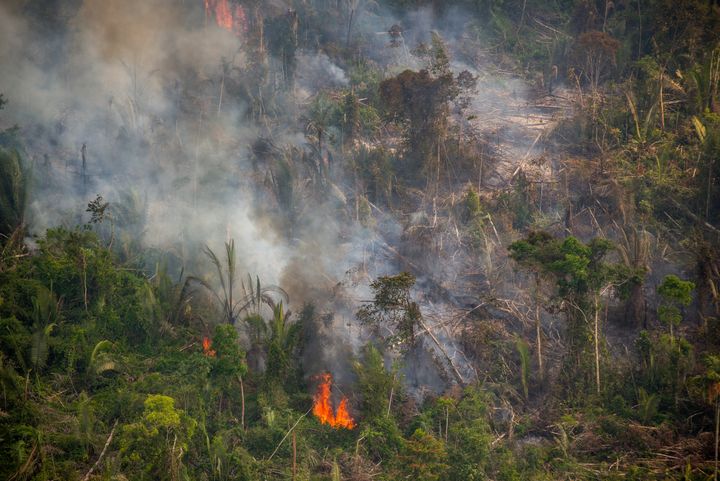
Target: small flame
(207, 347)
(322, 407)
(231, 19)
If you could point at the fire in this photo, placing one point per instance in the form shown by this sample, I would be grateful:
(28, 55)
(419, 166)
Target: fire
(229, 18)
(207, 347)
(322, 407)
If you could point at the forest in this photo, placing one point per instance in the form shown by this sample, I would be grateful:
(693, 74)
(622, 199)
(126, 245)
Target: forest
(359, 240)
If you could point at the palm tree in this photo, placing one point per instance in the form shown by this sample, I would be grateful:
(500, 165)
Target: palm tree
(102, 358)
(318, 123)
(284, 337)
(254, 295)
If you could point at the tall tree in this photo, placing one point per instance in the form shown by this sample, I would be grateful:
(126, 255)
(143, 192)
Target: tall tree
(392, 309)
(582, 278)
(533, 254)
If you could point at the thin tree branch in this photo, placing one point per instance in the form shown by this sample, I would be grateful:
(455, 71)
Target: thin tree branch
(102, 454)
(287, 433)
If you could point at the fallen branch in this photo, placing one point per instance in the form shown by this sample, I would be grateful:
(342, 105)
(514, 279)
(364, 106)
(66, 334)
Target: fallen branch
(287, 433)
(102, 454)
(522, 161)
(693, 216)
(552, 29)
(455, 371)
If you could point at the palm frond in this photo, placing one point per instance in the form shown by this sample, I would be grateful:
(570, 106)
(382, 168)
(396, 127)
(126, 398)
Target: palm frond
(216, 262)
(101, 346)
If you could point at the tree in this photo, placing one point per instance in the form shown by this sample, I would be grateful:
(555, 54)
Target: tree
(424, 457)
(599, 50)
(282, 38)
(284, 339)
(99, 212)
(226, 276)
(533, 254)
(581, 278)
(351, 117)
(440, 56)
(470, 436)
(376, 385)
(419, 101)
(675, 294)
(153, 447)
(392, 309)
(353, 6)
(228, 363)
(254, 296)
(229, 359)
(321, 111)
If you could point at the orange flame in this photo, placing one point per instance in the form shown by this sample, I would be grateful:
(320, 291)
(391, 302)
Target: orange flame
(232, 20)
(322, 407)
(207, 347)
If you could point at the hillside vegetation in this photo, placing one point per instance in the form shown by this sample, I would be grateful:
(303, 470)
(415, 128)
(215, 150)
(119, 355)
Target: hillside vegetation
(359, 240)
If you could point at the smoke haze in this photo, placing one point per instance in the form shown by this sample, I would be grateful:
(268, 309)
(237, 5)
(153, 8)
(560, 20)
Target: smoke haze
(146, 90)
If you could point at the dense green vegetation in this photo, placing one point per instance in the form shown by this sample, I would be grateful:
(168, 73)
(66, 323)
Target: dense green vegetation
(595, 347)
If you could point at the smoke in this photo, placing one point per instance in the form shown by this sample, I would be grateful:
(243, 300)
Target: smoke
(317, 72)
(116, 86)
(143, 100)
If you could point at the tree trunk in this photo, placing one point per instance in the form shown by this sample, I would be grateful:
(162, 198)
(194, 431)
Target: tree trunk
(717, 432)
(349, 29)
(639, 30)
(85, 290)
(392, 391)
(242, 403)
(112, 432)
(597, 343)
(662, 103)
(709, 190)
(222, 91)
(454, 369)
(294, 457)
(522, 19)
(538, 329)
(447, 421)
(480, 176)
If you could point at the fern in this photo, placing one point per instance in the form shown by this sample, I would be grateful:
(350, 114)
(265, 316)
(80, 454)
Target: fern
(46, 313)
(647, 405)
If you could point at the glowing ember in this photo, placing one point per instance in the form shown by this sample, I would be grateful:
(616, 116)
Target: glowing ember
(227, 17)
(322, 407)
(207, 347)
